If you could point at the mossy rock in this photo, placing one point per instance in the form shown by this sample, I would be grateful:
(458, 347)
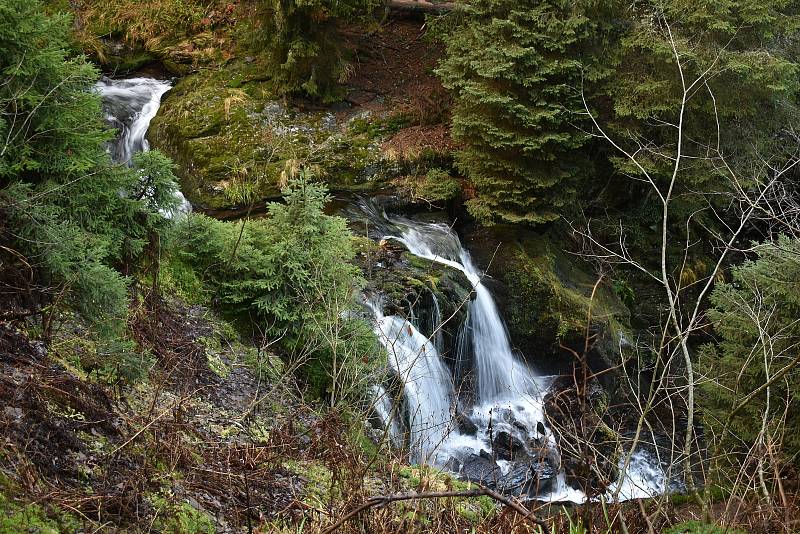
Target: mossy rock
(224, 128)
(409, 283)
(546, 296)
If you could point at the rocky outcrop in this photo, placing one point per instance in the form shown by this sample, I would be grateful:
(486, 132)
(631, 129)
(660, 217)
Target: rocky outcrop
(414, 287)
(526, 479)
(233, 141)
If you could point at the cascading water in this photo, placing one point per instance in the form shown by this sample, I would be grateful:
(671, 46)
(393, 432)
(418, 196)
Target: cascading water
(130, 104)
(500, 375)
(508, 396)
(427, 385)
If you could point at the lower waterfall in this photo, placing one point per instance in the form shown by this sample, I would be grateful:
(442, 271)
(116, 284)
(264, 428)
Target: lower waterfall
(507, 399)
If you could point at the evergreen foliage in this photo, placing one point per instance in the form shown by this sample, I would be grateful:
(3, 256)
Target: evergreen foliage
(78, 219)
(290, 271)
(515, 68)
(756, 318)
(519, 70)
(305, 46)
(744, 52)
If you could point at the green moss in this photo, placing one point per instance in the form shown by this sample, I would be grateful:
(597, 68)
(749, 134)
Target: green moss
(225, 127)
(369, 127)
(699, 527)
(17, 517)
(318, 487)
(179, 517)
(473, 509)
(176, 277)
(550, 296)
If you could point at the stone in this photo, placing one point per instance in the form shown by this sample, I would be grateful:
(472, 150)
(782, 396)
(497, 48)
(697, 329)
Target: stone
(528, 480)
(466, 425)
(507, 446)
(479, 469)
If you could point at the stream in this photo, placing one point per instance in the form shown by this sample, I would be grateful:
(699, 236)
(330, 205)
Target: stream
(505, 410)
(429, 416)
(130, 104)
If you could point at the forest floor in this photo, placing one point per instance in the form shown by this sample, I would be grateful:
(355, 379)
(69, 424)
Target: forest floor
(393, 74)
(218, 439)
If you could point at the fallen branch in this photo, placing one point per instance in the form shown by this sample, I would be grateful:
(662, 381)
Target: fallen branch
(383, 500)
(421, 6)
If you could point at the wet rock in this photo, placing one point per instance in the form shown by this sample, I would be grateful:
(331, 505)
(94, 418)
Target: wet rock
(453, 465)
(466, 425)
(481, 470)
(521, 427)
(528, 479)
(424, 291)
(523, 479)
(507, 446)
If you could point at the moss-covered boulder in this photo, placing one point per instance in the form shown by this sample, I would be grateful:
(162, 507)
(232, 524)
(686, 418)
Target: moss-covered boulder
(424, 291)
(226, 131)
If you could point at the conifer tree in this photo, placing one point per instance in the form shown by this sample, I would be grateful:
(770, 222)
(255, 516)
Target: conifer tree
(516, 68)
(307, 52)
(743, 54)
(74, 215)
(756, 318)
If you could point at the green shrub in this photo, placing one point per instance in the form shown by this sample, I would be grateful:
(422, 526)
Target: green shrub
(698, 527)
(291, 273)
(82, 225)
(438, 186)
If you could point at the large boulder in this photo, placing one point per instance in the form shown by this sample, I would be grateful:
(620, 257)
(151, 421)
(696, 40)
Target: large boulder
(233, 140)
(424, 291)
(506, 446)
(525, 479)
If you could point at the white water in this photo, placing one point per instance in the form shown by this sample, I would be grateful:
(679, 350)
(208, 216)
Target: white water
(504, 384)
(500, 375)
(130, 105)
(426, 381)
(384, 408)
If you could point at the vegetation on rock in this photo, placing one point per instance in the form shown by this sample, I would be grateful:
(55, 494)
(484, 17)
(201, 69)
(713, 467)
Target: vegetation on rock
(197, 375)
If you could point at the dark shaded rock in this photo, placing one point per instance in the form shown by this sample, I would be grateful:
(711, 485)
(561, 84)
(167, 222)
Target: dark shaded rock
(507, 446)
(481, 470)
(528, 479)
(453, 465)
(524, 479)
(521, 427)
(466, 425)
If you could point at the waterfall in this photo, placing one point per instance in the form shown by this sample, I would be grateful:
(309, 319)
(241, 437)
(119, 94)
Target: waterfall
(427, 384)
(500, 375)
(384, 409)
(129, 105)
(503, 383)
(508, 396)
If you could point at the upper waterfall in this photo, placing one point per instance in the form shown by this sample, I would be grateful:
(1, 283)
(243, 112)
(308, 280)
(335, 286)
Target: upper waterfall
(130, 104)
